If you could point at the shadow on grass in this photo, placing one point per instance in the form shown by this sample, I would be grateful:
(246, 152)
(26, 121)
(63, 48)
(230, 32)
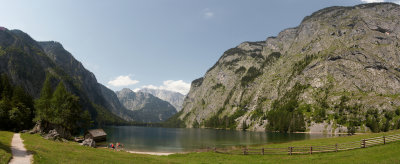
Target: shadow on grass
(5, 148)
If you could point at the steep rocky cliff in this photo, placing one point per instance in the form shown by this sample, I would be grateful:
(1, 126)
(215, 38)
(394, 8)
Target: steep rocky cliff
(338, 71)
(174, 98)
(145, 107)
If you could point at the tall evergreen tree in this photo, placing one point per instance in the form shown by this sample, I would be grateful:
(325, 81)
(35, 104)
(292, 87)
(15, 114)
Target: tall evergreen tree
(5, 107)
(21, 114)
(43, 104)
(6, 87)
(65, 108)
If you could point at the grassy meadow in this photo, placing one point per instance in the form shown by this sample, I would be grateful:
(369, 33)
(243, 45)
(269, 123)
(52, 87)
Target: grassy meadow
(46, 151)
(5, 146)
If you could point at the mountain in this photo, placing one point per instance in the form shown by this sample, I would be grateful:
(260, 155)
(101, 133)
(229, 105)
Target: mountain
(145, 107)
(174, 98)
(28, 63)
(338, 71)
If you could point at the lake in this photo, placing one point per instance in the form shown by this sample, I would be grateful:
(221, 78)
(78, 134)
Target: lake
(157, 139)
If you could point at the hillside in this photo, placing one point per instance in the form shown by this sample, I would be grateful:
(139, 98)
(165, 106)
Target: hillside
(145, 107)
(27, 63)
(338, 71)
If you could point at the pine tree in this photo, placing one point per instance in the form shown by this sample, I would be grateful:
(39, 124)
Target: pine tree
(5, 107)
(66, 108)
(43, 104)
(6, 87)
(21, 113)
(85, 121)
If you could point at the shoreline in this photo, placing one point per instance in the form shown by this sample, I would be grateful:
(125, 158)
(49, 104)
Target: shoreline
(151, 153)
(144, 152)
(328, 133)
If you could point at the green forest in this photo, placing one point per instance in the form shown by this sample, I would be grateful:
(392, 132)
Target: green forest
(19, 111)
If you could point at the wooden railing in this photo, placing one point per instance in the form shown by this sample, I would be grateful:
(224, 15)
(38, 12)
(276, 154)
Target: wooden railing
(364, 143)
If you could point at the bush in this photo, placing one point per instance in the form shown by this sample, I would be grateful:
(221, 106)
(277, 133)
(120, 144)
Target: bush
(226, 122)
(16, 107)
(250, 76)
(319, 114)
(240, 70)
(302, 64)
(285, 116)
(271, 58)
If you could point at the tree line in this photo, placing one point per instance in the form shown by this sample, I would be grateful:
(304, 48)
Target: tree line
(19, 111)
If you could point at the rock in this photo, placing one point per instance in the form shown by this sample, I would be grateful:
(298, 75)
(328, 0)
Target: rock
(89, 142)
(79, 139)
(24, 131)
(37, 128)
(52, 135)
(45, 128)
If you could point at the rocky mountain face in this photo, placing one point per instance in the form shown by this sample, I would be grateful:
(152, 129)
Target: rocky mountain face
(145, 107)
(338, 71)
(174, 98)
(28, 62)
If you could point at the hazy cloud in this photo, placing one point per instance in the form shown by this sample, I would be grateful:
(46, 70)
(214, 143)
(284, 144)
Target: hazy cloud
(171, 85)
(372, 1)
(208, 14)
(122, 81)
(375, 1)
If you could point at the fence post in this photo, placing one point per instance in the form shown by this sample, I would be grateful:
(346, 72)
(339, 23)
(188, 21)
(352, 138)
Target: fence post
(363, 143)
(336, 147)
(384, 140)
(215, 149)
(262, 151)
(310, 149)
(290, 150)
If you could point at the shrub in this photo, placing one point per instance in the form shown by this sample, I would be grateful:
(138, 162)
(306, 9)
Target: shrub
(251, 74)
(240, 70)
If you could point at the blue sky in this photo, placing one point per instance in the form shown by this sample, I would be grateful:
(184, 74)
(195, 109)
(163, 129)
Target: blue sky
(155, 43)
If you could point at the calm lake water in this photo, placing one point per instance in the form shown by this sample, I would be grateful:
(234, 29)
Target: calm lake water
(157, 139)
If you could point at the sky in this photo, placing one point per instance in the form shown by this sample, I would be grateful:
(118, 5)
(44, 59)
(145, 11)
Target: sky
(160, 44)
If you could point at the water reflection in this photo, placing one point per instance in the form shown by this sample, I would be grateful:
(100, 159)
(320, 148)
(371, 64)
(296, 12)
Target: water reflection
(181, 140)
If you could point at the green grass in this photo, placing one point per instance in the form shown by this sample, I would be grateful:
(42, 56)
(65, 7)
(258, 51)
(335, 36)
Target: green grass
(5, 146)
(57, 152)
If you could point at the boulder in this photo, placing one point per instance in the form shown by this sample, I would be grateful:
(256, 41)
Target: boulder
(52, 135)
(24, 131)
(89, 142)
(78, 139)
(44, 128)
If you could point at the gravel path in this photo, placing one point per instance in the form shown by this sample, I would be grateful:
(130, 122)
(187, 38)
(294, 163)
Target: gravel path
(20, 155)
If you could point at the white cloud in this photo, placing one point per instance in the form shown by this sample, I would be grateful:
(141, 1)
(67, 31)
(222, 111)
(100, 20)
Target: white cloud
(208, 14)
(171, 85)
(376, 1)
(372, 1)
(122, 81)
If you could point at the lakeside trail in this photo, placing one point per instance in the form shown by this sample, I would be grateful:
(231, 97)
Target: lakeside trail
(20, 155)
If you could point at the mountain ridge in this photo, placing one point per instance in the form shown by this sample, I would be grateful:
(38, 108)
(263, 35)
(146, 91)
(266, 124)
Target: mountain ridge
(335, 72)
(145, 107)
(174, 98)
(28, 63)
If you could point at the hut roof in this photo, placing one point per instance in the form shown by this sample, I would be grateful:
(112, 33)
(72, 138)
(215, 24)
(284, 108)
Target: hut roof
(97, 132)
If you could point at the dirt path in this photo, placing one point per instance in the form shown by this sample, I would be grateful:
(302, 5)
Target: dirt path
(20, 155)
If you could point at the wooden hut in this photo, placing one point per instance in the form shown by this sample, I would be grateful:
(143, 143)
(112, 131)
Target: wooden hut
(96, 134)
